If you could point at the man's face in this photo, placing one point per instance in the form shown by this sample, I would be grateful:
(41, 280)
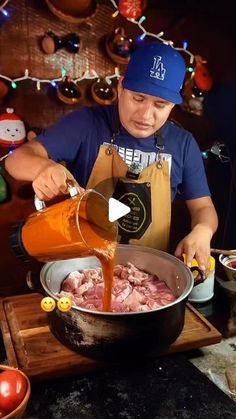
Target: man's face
(140, 114)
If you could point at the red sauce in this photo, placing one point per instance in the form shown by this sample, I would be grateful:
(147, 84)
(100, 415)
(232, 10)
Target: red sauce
(231, 264)
(107, 264)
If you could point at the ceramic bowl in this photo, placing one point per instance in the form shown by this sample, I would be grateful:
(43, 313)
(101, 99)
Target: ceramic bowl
(20, 410)
(229, 265)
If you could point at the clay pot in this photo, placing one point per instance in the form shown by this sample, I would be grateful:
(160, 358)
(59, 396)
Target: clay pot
(102, 93)
(119, 46)
(73, 11)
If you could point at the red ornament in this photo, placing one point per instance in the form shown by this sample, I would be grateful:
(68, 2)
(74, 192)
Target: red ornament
(131, 9)
(202, 78)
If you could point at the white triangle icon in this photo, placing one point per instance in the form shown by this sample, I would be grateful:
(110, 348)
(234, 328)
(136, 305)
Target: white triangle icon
(116, 209)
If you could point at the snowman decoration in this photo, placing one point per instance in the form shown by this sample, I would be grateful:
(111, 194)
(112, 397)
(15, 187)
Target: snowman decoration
(12, 129)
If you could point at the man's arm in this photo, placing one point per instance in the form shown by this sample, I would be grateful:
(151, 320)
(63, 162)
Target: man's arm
(204, 222)
(27, 161)
(30, 162)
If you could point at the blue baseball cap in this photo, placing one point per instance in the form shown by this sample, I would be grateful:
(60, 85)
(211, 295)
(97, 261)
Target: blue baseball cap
(156, 69)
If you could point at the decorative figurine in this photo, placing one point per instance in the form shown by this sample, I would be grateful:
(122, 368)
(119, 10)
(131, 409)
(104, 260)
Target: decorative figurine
(12, 129)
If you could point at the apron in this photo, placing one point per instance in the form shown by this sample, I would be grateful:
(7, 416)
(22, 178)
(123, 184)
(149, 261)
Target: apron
(149, 196)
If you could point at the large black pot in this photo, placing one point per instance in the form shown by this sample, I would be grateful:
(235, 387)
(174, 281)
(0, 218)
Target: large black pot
(111, 335)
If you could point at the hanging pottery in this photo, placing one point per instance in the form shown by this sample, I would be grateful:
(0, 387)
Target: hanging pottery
(51, 43)
(103, 92)
(192, 97)
(69, 92)
(195, 105)
(73, 11)
(118, 46)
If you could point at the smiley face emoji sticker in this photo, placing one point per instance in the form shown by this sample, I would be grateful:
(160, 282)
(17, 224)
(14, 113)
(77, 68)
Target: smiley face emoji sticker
(48, 304)
(64, 304)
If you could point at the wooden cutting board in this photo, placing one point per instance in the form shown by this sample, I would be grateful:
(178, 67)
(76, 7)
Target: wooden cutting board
(32, 347)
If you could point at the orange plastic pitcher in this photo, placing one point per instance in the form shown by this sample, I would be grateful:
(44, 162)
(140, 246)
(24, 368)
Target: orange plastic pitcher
(76, 227)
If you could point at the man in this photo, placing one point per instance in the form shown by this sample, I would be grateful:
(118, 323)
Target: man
(131, 152)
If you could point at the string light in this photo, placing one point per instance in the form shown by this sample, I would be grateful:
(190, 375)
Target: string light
(158, 36)
(2, 8)
(63, 72)
(5, 156)
(141, 37)
(142, 19)
(115, 13)
(217, 149)
(87, 75)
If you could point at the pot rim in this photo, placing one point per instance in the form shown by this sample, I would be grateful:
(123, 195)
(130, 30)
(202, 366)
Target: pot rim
(144, 249)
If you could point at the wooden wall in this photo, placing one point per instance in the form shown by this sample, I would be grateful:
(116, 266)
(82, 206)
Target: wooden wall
(210, 33)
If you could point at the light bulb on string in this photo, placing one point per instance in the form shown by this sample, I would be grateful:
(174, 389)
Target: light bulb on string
(117, 73)
(141, 37)
(115, 13)
(63, 72)
(190, 69)
(3, 10)
(142, 19)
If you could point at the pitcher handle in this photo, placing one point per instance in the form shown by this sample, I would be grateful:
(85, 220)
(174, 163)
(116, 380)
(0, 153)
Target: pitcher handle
(72, 189)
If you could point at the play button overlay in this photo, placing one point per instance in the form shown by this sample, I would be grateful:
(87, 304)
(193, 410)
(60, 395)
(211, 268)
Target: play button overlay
(116, 210)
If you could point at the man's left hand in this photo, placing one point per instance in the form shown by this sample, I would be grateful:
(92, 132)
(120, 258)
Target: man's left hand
(196, 245)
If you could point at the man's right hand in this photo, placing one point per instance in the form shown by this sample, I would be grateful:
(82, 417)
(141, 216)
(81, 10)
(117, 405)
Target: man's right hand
(52, 181)
(30, 162)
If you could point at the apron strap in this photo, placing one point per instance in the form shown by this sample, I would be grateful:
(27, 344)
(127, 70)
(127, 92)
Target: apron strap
(160, 148)
(115, 124)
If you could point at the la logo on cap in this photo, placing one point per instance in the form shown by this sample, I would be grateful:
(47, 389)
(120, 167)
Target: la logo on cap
(116, 209)
(157, 71)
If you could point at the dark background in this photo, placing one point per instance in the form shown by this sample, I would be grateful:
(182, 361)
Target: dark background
(209, 27)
